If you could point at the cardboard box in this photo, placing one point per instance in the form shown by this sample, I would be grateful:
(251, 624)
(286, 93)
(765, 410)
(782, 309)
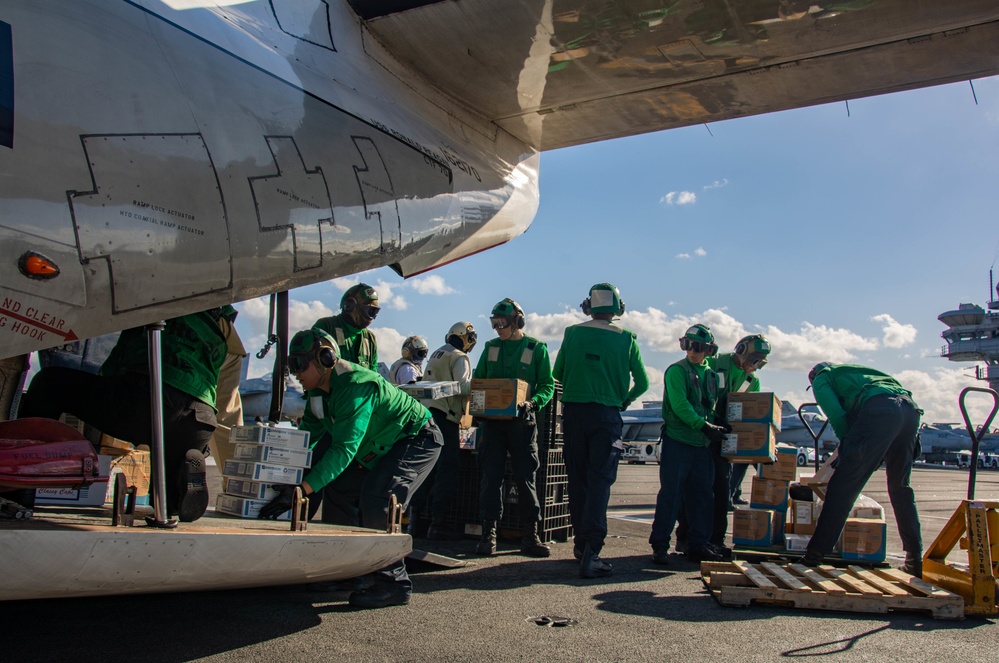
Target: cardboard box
(137, 468)
(497, 398)
(864, 540)
(750, 443)
(115, 443)
(254, 490)
(796, 542)
(264, 453)
(769, 494)
(263, 472)
(92, 495)
(759, 407)
(755, 527)
(785, 468)
(802, 516)
(430, 391)
(285, 438)
(867, 507)
(244, 507)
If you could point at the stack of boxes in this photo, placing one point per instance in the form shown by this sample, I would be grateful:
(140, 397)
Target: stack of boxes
(262, 456)
(755, 420)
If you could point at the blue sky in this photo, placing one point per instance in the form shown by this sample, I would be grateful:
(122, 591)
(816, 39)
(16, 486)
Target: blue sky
(840, 237)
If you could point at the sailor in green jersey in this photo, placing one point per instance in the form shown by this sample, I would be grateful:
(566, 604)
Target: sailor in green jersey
(686, 466)
(736, 372)
(117, 401)
(355, 343)
(383, 441)
(512, 355)
(596, 365)
(875, 419)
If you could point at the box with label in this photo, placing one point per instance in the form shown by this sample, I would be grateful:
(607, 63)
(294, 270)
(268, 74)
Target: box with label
(430, 390)
(750, 443)
(796, 542)
(254, 490)
(754, 527)
(285, 438)
(244, 507)
(115, 443)
(497, 398)
(864, 540)
(264, 453)
(92, 495)
(263, 472)
(785, 468)
(802, 516)
(137, 467)
(769, 494)
(759, 407)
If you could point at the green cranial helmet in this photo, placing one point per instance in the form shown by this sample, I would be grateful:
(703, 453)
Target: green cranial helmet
(509, 311)
(604, 298)
(753, 350)
(311, 345)
(699, 339)
(360, 304)
(818, 368)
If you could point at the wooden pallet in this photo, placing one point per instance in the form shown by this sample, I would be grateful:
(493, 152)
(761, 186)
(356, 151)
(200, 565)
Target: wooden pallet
(854, 589)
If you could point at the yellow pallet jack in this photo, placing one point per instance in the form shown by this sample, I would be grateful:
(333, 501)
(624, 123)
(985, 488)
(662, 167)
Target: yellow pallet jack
(975, 527)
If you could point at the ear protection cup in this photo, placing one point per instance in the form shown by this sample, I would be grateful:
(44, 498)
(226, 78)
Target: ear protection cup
(585, 306)
(740, 348)
(520, 321)
(349, 304)
(325, 356)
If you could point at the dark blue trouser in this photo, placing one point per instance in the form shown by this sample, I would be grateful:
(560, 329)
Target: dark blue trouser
(591, 460)
(496, 438)
(399, 472)
(448, 469)
(685, 472)
(884, 429)
(722, 500)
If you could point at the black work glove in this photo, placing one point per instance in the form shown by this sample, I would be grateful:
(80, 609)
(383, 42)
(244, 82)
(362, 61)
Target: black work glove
(625, 405)
(280, 504)
(715, 434)
(525, 411)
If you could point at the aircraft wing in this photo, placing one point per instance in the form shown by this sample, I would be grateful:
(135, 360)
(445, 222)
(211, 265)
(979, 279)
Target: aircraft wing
(555, 73)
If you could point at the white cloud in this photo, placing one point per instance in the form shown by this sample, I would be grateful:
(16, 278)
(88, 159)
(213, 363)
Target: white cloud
(936, 392)
(389, 344)
(896, 335)
(700, 252)
(679, 198)
(431, 285)
(683, 256)
(814, 343)
(717, 184)
(549, 327)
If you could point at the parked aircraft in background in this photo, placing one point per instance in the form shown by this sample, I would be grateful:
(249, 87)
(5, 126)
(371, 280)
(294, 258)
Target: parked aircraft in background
(793, 432)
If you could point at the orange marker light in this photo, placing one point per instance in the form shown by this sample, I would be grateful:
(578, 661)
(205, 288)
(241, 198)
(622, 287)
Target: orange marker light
(37, 266)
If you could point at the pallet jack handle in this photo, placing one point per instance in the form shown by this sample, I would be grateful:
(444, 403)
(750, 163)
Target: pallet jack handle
(815, 436)
(976, 437)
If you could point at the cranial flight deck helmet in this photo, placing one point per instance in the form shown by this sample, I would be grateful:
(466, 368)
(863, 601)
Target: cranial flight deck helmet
(818, 368)
(604, 298)
(311, 345)
(699, 339)
(753, 350)
(465, 333)
(508, 312)
(360, 303)
(415, 349)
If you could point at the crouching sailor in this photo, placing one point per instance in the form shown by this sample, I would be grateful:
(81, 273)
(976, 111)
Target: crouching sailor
(381, 438)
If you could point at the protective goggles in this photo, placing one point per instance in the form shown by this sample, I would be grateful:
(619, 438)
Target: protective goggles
(298, 362)
(370, 312)
(419, 355)
(757, 361)
(698, 346)
(499, 323)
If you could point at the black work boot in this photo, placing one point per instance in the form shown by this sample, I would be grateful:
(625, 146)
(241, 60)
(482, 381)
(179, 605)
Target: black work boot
(487, 542)
(192, 487)
(591, 566)
(913, 564)
(531, 545)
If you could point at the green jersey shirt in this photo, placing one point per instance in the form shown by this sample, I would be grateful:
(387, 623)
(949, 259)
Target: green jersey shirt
(365, 416)
(843, 388)
(526, 359)
(691, 393)
(596, 364)
(355, 345)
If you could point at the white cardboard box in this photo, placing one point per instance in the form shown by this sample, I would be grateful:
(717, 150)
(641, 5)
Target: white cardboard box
(797, 542)
(430, 390)
(92, 495)
(251, 489)
(263, 472)
(286, 438)
(244, 507)
(264, 453)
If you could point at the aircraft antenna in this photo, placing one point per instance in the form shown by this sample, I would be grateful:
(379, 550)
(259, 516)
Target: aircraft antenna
(972, 84)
